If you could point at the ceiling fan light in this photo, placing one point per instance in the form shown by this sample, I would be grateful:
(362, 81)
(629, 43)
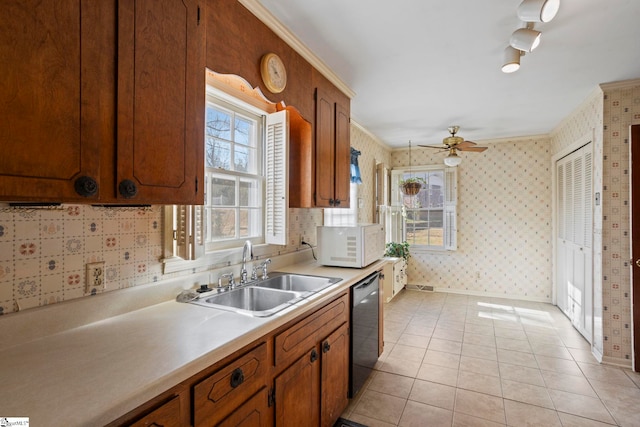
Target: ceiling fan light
(525, 39)
(511, 60)
(538, 10)
(452, 160)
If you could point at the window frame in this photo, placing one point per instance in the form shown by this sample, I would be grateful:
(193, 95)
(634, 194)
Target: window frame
(238, 108)
(449, 209)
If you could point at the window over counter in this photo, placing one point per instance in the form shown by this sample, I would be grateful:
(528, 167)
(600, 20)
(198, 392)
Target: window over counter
(234, 178)
(246, 164)
(429, 217)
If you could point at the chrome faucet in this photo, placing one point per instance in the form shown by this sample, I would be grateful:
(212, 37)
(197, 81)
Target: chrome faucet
(230, 284)
(264, 265)
(243, 270)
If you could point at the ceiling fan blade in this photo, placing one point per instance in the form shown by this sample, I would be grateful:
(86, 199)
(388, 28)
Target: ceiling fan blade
(437, 147)
(472, 148)
(465, 144)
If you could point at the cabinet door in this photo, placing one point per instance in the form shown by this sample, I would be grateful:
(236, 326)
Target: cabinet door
(160, 102)
(325, 150)
(253, 413)
(297, 392)
(342, 157)
(56, 97)
(335, 375)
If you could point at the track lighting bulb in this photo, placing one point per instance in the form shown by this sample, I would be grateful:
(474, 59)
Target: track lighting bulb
(511, 60)
(538, 10)
(525, 39)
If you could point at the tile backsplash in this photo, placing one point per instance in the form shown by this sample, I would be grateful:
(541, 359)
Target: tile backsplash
(43, 252)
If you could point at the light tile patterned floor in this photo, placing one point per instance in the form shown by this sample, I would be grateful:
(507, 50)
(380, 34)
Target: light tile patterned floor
(458, 360)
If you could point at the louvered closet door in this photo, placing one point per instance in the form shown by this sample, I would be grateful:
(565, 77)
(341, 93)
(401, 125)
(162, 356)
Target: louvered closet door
(574, 240)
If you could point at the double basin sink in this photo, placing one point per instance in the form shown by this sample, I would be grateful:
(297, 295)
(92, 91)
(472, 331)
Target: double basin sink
(266, 297)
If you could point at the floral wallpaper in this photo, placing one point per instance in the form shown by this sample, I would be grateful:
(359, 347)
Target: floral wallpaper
(503, 222)
(372, 152)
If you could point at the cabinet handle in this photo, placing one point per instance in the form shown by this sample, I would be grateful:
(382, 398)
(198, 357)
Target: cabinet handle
(86, 186)
(337, 202)
(314, 355)
(237, 377)
(128, 189)
(326, 346)
(331, 202)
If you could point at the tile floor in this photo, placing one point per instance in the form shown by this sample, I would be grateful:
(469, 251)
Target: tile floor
(458, 360)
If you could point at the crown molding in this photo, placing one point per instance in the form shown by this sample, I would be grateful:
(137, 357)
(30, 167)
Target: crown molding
(623, 84)
(370, 135)
(264, 15)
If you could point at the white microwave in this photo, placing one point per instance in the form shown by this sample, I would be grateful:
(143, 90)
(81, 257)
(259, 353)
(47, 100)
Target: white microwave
(350, 246)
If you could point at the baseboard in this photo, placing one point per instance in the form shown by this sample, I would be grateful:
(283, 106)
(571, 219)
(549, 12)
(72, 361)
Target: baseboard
(616, 361)
(427, 288)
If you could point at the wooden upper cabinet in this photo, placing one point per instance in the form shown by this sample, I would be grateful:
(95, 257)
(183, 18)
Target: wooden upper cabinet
(56, 97)
(161, 94)
(61, 138)
(332, 148)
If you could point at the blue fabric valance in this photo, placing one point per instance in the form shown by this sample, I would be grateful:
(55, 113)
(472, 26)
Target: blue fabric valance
(355, 169)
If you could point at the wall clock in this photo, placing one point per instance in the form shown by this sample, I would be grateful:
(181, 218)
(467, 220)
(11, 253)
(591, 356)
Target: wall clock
(274, 74)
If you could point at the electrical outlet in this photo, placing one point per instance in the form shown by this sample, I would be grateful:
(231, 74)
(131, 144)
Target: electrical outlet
(301, 239)
(95, 277)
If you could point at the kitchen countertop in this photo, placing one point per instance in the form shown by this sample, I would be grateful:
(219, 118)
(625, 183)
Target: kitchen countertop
(92, 374)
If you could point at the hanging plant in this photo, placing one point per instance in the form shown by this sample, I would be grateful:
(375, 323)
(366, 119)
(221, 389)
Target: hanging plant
(412, 186)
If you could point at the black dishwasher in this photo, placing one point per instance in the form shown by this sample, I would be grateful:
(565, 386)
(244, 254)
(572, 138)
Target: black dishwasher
(364, 331)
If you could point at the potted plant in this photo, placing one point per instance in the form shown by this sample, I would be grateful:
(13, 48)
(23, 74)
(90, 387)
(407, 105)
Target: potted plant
(412, 186)
(398, 250)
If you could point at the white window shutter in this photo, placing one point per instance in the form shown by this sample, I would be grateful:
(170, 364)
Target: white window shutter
(396, 195)
(450, 202)
(277, 178)
(189, 231)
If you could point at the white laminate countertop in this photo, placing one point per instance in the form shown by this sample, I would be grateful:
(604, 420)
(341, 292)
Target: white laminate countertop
(92, 374)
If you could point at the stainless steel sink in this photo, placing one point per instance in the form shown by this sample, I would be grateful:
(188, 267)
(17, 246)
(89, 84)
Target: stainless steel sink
(251, 300)
(296, 282)
(266, 297)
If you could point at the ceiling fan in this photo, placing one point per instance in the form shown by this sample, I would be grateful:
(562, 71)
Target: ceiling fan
(454, 143)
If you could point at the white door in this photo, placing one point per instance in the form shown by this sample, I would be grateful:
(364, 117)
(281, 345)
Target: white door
(574, 290)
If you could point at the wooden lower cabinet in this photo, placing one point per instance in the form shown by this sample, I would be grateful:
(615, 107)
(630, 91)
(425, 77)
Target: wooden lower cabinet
(297, 392)
(255, 412)
(297, 375)
(313, 390)
(334, 382)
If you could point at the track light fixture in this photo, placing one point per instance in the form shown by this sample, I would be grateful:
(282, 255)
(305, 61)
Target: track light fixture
(538, 10)
(511, 59)
(527, 39)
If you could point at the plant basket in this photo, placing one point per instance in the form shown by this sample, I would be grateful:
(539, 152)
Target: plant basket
(411, 188)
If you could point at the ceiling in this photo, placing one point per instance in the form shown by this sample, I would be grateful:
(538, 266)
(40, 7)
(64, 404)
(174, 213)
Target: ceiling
(419, 66)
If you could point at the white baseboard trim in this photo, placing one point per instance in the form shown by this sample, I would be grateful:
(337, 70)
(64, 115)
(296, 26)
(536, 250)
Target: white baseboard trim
(475, 293)
(616, 361)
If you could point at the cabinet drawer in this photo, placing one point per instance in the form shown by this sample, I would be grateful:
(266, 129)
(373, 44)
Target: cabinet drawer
(168, 415)
(293, 342)
(220, 394)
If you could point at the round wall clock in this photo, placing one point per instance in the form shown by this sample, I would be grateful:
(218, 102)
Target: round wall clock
(274, 74)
